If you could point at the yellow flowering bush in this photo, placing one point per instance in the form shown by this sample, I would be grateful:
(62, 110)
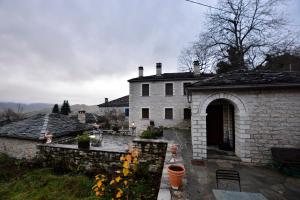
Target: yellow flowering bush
(118, 187)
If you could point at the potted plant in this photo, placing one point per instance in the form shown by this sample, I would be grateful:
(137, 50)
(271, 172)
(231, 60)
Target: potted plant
(173, 149)
(83, 141)
(176, 173)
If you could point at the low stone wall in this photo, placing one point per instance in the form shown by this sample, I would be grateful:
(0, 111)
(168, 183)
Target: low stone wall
(18, 148)
(71, 157)
(152, 152)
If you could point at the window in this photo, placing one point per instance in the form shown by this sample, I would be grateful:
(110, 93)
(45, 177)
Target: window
(145, 113)
(169, 89)
(184, 85)
(187, 113)
(145, 89)
(168, 113)
(126, 112)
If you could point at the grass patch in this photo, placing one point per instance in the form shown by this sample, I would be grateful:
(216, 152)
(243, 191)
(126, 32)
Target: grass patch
(42, 184)
(19, 180)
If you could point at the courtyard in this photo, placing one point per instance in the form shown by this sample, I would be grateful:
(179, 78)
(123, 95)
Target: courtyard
(201, 180)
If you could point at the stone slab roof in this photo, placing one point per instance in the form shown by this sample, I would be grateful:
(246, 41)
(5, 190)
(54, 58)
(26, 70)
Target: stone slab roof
(120, 102)
(248, 79)
(33, 128)
(91, 118)
(180, 76)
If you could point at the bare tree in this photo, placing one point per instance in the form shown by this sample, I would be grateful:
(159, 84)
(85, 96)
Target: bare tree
(10, 115)
(197, 51)
(249, 29)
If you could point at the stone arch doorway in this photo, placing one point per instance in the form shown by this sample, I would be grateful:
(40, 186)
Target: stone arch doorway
(199, 131)
(220, 128)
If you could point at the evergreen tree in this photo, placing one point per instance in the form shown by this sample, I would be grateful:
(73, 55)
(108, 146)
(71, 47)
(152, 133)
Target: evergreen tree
(55, 109)
(68, 108)
(65, 108)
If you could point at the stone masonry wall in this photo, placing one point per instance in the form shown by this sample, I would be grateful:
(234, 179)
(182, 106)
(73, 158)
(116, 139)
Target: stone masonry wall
(95, 160)
(103, 110)
(18, 148)
(153, 152)
(263, 119)
(91, 160)
(157, 102)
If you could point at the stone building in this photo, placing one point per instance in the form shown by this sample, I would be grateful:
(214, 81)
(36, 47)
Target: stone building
(245, 112)
(120, 105)
(161, 98)
(19, 139)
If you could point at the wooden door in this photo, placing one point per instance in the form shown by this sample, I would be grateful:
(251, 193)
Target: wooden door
(214, 124)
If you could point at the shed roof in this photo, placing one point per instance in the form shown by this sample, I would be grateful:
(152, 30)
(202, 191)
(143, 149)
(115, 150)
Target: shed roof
(248, 79)
(120, 102)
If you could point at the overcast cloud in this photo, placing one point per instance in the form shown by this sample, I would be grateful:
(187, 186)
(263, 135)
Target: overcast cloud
(85, 50)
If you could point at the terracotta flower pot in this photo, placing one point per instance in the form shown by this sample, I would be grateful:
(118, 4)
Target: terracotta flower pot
(176, 173)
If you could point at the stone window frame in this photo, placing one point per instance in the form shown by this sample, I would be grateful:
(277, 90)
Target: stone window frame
(142, 113)
(164, 117)
(141, 92)
(189, 82)
(165, 87)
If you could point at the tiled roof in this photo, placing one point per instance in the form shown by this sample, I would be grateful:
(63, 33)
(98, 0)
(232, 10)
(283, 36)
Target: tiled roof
(120, 102)
(171, 77)
(250, 79)
(91, 118)
(34, 127)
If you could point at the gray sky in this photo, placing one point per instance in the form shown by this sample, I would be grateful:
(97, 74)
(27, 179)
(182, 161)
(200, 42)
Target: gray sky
(85, 50)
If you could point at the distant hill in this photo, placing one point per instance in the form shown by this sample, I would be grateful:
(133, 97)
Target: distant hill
(43, 108)
(25, 108)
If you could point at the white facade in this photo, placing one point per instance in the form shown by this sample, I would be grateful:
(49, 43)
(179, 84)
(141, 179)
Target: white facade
(156, 102)
(262, 119)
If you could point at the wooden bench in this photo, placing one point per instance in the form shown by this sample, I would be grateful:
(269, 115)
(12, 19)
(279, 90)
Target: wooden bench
(222, 174)
(287, 160)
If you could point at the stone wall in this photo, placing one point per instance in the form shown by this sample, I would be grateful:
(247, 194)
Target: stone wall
(263, 119)
(18, 148)
(157, 102)
(91, 160)
(103, 110)
(151, 152)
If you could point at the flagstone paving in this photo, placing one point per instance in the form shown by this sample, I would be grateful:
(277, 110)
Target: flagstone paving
(200, 180)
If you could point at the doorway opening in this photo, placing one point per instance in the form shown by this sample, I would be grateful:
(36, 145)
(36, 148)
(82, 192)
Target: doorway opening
(220, 127)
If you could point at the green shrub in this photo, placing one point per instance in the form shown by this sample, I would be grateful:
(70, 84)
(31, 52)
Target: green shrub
(84, 137)
(152, 132)
(148, 135)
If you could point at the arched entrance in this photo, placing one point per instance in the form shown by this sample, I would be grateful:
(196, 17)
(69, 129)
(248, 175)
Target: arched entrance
(239, 124)
(220, 127)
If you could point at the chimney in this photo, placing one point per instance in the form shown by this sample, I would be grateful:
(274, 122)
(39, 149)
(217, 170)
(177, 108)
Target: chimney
(106, 100)
(81, 116)
(196, 67)
(141, 71)
(158, 69)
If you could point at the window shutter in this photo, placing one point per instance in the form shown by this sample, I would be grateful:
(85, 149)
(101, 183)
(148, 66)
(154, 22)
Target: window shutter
(168, 113)
(145, 113)
(145, 89)
(169, 89)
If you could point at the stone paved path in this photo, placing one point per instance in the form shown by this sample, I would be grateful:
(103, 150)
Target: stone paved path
(200, 180)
